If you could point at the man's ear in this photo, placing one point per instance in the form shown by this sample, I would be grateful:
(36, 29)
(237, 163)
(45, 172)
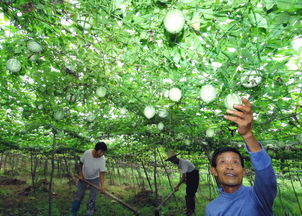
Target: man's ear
(214, 172)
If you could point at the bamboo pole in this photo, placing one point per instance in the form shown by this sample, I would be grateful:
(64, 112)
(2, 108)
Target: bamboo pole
(166, 171)
(292, 183)
(52, 174)
(145, 171)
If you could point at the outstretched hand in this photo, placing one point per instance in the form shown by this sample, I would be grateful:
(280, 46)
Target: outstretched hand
(243, 117)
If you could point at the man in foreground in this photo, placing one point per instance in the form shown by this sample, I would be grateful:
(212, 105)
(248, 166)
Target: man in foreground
(190, 175)
(92, 169)
(228, 166)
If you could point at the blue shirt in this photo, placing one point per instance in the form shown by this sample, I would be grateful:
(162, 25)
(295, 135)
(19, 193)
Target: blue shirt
(249, 201)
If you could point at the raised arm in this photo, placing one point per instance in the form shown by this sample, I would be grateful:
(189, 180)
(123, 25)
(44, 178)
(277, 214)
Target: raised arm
(265, 185)
(243, 117)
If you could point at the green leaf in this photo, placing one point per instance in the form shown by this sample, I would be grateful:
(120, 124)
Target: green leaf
(269, 4)
(258, 20)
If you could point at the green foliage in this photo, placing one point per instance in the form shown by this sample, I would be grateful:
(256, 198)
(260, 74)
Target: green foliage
(124, 47)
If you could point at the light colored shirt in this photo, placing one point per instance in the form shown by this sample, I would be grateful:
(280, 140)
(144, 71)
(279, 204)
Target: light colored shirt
(92, 166)
(185, 166)
(249, 201)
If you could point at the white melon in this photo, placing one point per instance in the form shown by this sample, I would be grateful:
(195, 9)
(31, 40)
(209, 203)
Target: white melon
(85, 22)
(160, 126)
(174, 94)
(208, 93)
(174, 21)
(59, 115)
(231, 100)
(210, 132)
(101, 91)
(250, 79)
(163, 113)
(149, 112)
(90, 118)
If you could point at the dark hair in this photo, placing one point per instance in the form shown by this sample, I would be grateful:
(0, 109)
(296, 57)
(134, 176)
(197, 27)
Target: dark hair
(100, 146)
(221, 150)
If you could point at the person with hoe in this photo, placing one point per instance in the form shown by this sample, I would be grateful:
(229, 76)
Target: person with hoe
(189, 175)
(228, 168)
(92, 169)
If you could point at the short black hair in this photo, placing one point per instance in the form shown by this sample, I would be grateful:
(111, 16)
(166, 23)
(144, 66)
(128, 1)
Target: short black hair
(221, 150)
(100, 146)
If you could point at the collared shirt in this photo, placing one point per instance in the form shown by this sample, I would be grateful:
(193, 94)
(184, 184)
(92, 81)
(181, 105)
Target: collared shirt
(185, 166)
(249, 201)
(92, 166)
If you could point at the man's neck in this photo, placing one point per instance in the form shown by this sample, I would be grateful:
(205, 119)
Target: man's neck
(230, 189)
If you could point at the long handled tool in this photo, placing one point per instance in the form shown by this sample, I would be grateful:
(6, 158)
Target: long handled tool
(136, 212)
(157, 209)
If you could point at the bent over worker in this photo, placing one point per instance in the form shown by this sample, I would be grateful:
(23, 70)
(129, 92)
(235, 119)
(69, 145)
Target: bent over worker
(92, 169)
(189, 175)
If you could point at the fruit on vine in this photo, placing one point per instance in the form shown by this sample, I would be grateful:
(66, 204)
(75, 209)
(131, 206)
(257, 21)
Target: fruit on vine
(232, 99)
(208, 93)
(210, 132)
(101, 91)
(160, 126)
(174, 21)
(33, 46)
(59, 115)
(174, 94)
(13, 65)
(250, 79)
(149, 112)
(163, 113)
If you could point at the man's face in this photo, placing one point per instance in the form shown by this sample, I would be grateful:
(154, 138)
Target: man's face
(229, 169)
(99, 153)
(174, 160)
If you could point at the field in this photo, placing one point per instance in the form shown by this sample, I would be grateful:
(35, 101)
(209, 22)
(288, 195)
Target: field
(129, 184)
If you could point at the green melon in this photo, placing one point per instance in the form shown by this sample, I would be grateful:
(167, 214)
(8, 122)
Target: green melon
(13, 65)
(33, 46)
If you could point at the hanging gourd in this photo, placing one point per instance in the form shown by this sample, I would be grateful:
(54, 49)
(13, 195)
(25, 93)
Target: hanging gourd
(174, 21)
(163, 113)
(232, 99)
(166, 93)
(210, 132)
(59, 115)
(33, 46)
(85, 22)
(187, 142)
(33, 58)
(90, 118)
(71, 98)
(149, 112)
(13, 65)
(123, 111)
(208, 93)
(160, 126)
(250, 79)
(101, 91)
(174, 94)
